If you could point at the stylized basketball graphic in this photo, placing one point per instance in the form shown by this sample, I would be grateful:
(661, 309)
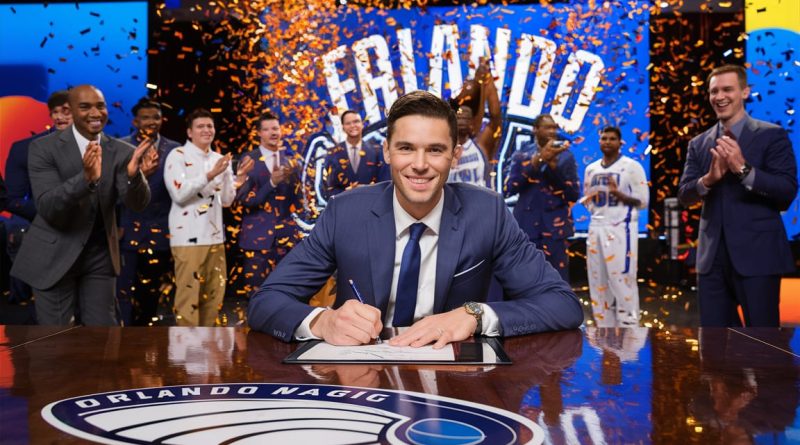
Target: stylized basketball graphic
(20, 118)
(277, 413)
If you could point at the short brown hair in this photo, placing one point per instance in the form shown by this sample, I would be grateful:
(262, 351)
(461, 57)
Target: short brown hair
(741, 73)
(197, 114)
(422, 103)
(57, 99)
(346, 113)
(265, 116)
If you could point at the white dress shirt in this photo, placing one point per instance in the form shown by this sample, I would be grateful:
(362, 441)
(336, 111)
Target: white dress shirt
(82, 141)
(271, 158)
(428, 245)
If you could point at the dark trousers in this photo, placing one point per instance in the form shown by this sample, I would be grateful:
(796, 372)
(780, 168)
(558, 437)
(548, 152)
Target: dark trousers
(555, 251)
(19, 290)
(142, 277)
(89, 284)
(722, 290)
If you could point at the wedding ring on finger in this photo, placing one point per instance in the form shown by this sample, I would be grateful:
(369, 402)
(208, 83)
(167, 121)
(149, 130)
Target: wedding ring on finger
(440, 331)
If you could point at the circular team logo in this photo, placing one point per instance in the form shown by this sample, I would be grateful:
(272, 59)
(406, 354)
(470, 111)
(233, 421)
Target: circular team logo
(277, 413)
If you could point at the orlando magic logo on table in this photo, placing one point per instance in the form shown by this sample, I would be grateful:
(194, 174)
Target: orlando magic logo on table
(279, 413)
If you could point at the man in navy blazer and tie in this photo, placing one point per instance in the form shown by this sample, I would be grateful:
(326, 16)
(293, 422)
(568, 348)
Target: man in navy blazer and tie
(744, 172)
(421, 251)
(352, 162)
(545, 175)
(272, 192)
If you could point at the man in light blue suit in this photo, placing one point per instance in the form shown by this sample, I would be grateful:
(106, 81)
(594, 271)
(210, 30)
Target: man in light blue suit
(422, 253)
(744, 172)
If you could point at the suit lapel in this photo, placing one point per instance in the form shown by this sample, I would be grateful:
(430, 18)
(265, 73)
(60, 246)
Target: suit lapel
(451, 238)
(381, 237)
(70, 152)
(746, 138)
(709, 142)
(107, 168)
(261, 165)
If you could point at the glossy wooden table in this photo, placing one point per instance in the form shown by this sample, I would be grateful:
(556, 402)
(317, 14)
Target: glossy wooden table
(593, 386)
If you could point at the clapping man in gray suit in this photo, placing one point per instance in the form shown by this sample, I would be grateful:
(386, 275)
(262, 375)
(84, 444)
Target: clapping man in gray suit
(71, 254)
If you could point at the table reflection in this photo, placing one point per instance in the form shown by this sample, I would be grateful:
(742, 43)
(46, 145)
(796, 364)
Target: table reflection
(601, 385)
(747, 392)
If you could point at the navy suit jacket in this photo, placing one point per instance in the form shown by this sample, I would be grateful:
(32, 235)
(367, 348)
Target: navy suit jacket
(150, 227)
(478, 238)
(751, 219)
(267, 210)
(338, 174)
(20, 195)
(545, 195)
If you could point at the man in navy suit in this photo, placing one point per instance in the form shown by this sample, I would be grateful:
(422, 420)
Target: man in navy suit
(352, 162)
(545, 175)
(421, 251)
(144, 246)
(272, 192)
(744, 172)
(20, 195)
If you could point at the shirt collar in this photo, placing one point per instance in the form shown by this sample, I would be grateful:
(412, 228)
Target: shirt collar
(357, 146)
(402, 220)
(199, 150)
(82, 141)
(736, 128)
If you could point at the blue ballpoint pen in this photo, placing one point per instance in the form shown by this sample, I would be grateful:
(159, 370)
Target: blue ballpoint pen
(361, 299)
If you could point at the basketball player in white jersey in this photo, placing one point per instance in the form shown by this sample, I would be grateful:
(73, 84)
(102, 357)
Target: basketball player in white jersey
(477, 155)
(615, 189)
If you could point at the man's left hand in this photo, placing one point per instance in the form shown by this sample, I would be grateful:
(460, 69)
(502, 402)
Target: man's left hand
(442, 329)
(136, 159)
(149, 163)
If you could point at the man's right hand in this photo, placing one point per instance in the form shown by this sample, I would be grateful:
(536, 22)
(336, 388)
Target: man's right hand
(354, 323)
(92, 162)
(280, 174)
(549, 154)
(717, 169)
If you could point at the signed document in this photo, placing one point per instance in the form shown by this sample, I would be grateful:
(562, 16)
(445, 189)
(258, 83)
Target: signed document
(383, 352)
(480, 350)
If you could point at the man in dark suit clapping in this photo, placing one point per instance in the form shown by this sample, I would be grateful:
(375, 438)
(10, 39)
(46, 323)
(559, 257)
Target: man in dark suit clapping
(70, 256)
(744, 172)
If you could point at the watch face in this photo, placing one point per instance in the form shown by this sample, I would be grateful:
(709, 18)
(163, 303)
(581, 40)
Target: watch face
(474, 308)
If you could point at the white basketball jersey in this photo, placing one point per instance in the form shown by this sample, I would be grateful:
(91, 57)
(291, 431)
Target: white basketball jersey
(631, 180)
(471, 168)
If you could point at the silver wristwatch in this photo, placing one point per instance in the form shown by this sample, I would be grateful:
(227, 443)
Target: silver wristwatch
(476, 310)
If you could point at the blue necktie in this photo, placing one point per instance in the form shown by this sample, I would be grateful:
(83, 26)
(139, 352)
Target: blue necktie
(407, 283)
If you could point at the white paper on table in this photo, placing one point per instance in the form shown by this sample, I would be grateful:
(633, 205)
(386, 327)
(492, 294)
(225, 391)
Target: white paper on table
(382, 352)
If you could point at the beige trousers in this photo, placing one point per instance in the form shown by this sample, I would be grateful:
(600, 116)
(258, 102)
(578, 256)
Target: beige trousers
(200, 276)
